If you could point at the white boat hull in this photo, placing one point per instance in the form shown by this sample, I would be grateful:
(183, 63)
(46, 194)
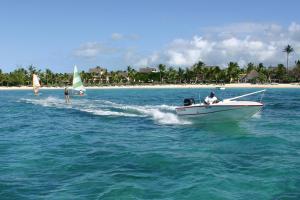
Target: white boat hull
(220, 88)
(76, 93)
(223, 111)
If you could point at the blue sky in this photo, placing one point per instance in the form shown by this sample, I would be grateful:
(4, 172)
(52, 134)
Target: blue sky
(113, 34)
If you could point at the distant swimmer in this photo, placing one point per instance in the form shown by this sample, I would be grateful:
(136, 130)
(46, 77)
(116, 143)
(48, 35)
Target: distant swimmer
(67, 96)
(211, 99)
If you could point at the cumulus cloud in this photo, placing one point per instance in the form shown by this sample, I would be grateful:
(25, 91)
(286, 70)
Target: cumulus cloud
(91, 50)
(294, 30)
(243, 43)
(294, 27)
(120, 36)
(245, 28)
(117, 36)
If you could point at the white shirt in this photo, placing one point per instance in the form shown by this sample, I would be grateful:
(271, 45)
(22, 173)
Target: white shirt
(210, 100)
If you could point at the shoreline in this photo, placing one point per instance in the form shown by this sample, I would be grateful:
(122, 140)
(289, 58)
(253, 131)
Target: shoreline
(167, 86)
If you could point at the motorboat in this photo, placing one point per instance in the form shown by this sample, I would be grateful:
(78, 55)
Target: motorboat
(225, 110)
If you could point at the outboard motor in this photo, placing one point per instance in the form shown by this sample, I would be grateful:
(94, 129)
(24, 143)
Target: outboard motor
(188, 102)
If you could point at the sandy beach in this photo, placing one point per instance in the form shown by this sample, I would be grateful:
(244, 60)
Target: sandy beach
(234, 85)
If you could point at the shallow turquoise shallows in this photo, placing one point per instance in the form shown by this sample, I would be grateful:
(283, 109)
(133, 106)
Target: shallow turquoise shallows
(129, 144)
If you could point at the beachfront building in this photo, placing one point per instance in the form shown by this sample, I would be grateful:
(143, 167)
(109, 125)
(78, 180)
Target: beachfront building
(99, 75)
(147, 70)
(98, 70)
(250, 77)
(117, 77)
(124, 76)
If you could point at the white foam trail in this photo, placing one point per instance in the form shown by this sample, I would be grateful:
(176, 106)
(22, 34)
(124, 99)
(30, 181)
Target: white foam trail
(162, 107)
(108, 113)
(76, 105)
(122, 106)
(157, 113)
(164, 117)
(48, 102)
(257, 115)
(154, 111)
(162, 114)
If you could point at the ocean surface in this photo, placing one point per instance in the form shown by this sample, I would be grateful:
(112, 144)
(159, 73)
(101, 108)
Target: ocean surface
(129, 144)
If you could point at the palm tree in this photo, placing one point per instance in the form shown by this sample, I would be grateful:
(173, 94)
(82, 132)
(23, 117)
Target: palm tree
(296, 70)
(198, 70)
(171, 75)
(48, 76)
(233, 71)
(1, 77)
(162, 69)
(31, 69)
(250, 67)
(280, 72)
(288, 49)
(180, 74)
(131, 74)
(216, 74)
(188, 75)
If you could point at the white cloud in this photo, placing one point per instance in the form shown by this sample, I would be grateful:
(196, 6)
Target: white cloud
(294, 27)
(133, 37)
(294, 30)
(243, 43)
(120, 36)
(93, 49)
(117, 36)
(245, 28)
(231, 43)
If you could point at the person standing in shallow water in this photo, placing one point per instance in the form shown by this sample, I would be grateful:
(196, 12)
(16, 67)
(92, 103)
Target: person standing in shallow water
(67, 96)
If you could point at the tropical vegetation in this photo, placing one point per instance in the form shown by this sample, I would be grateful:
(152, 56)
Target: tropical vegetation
(199, 73)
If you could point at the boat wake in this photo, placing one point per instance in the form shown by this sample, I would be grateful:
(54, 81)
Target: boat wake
(257, 115)
(162, 114)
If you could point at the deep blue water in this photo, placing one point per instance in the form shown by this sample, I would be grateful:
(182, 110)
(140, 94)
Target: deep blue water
(129, 144)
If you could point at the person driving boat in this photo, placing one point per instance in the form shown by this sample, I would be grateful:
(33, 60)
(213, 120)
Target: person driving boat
(211, 99)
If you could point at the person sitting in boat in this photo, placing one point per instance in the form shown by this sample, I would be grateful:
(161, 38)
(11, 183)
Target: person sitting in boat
(211, 99)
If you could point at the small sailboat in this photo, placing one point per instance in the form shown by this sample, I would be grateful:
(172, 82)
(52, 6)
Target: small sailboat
(77, 87)
(36, 84)
(225, 110)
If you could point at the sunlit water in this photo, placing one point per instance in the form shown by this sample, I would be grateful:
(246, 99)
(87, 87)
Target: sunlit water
(129, 144)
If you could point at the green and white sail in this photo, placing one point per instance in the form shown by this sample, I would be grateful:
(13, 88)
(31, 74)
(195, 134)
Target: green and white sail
(77, 83)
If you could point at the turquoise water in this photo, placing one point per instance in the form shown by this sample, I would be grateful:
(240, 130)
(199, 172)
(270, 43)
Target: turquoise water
(129, 144)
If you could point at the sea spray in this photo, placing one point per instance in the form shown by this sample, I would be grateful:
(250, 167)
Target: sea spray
(162, 114)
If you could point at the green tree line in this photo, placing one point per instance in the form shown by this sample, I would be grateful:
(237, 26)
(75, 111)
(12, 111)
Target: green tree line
(199, 73)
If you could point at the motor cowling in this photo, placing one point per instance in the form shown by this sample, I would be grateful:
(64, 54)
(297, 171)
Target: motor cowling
(189, 101)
